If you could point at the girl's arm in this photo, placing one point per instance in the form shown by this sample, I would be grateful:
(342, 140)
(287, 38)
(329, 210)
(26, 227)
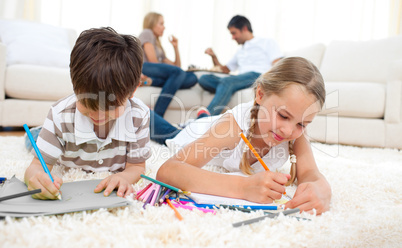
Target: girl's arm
(149, 51)
(184, 171)
(313, 189)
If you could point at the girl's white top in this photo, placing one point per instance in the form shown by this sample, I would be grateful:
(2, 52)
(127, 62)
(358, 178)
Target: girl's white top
(230, 159)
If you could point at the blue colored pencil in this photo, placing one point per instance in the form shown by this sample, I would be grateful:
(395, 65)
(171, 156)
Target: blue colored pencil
(256, 207)
(42, 161)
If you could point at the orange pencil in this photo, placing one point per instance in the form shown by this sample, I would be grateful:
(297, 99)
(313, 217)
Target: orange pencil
(257, 155)
(254, 151)
(178, 215)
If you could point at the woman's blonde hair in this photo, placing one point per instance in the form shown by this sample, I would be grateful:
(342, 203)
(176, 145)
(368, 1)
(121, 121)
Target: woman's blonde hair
(287, 71)
(150, 21)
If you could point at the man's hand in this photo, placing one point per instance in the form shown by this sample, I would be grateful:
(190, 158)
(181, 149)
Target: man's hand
(210, 52)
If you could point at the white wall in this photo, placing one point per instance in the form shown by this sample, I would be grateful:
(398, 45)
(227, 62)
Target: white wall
(201, 24)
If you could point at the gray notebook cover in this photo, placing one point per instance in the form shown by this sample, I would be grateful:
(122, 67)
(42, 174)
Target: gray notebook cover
(76, 196)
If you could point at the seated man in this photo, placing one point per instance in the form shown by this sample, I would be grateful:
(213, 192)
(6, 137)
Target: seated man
(256, 56)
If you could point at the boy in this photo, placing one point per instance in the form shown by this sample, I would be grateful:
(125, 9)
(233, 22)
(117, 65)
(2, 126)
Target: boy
(100, 127)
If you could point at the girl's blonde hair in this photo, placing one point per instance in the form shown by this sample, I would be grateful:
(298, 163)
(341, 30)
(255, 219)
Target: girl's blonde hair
(287, 71)
(150, 21)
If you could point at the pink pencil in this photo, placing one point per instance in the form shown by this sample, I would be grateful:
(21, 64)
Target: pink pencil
(157, 187)
(145, 196)
(193, 207)
(142, 191)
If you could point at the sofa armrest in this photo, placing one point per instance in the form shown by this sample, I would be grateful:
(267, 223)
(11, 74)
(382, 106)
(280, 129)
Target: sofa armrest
(393, 105)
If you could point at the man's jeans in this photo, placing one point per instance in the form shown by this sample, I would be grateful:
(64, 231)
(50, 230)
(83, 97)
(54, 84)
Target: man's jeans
(160, 129)
(225, 87)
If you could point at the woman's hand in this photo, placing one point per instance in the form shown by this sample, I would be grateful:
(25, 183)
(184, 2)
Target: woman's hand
(311, 195)
(124, 187)
(265, 187)
(174, 41)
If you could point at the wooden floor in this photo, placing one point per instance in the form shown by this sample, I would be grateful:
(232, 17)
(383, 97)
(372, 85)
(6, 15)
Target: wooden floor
(12, 131)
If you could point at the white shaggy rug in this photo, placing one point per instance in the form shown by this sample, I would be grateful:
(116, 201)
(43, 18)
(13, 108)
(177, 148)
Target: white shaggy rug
(366, 210)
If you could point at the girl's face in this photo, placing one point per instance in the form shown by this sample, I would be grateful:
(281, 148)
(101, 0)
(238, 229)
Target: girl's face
(159, 27)
(100, 118)
(284, 118)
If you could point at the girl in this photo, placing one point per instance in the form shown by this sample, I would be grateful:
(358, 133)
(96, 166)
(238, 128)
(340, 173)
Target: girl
(162, 71)
(287, 98)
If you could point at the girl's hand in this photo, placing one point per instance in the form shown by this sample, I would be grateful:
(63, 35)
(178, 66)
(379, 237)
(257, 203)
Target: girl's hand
(41, 180)
(265, 187)
(174, 41)
(115, 181)
(308, 196)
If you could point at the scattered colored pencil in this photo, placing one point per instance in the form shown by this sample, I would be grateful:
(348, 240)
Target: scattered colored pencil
(157, 190)
(194, 207)
(251, 221)
(162, 184)
(178, 215)
(42, 161)
(141, 192)
(162, 199)
(31, 192)
(258, 157)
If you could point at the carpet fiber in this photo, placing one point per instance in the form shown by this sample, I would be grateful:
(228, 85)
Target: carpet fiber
(366, 210)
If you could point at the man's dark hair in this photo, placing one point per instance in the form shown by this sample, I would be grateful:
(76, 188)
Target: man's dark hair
(239, 22)
(105, 68)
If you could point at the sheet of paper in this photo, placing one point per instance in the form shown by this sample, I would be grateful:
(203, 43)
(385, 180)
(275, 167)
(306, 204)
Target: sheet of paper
(76, 196)
(213, 199)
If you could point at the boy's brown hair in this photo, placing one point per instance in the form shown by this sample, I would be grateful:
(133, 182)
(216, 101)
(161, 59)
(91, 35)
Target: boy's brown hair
(105, 68)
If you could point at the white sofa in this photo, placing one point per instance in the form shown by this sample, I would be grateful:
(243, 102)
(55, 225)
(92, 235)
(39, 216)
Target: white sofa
(363, 82)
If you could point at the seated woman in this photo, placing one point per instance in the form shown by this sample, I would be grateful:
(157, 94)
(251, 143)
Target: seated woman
(163, 72)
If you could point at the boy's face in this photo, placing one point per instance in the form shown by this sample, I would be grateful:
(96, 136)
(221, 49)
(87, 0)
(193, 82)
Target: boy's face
(99, 117)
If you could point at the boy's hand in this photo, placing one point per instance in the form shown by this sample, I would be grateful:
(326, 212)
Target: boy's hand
(310, 195)
(115, 181)
(265, 187)
(41, 180)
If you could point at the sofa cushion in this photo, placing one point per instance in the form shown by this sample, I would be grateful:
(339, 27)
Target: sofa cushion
(184, 99)
(355, 99)
(368, 61)
(36, 43)
(33, 82)
(314, 53)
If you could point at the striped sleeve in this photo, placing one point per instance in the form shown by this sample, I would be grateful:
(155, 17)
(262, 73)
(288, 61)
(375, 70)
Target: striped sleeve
(140, 151)
(49, 140)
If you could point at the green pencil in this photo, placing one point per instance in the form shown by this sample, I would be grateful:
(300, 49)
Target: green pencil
(162, 184)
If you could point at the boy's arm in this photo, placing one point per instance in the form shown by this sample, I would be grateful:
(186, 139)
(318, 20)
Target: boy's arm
(36, 178)
(313, 190)
(122, 180)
